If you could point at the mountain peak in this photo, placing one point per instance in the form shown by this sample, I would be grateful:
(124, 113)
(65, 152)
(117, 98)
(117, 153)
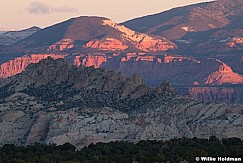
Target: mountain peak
(93, 34)
(90, 18)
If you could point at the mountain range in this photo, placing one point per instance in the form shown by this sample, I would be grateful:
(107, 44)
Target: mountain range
(55, 102)
(197, 48)
(91, 34)
(11, 37)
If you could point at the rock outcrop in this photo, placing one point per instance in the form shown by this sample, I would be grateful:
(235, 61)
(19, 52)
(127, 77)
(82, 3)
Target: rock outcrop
(235, 41)
(230, 95)
(224, 75)
(154, 69)
(19, 64)
(41, 105)
(61, 45)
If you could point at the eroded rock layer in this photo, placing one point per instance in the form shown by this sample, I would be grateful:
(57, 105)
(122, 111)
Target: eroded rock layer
(154, 69)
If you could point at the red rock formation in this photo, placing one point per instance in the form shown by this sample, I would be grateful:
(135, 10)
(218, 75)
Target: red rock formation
(158, 58)
(154, 69)
(107, 44)
(127, 38)
(18, 65)
(94, 60)
(151, 45)
(140, 41)
(235, 41)
(61, 45)
(128, 56)
(76, 61)
(224, 75)
(145, 58)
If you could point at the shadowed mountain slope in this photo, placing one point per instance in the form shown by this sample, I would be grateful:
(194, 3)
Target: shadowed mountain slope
(11, 37)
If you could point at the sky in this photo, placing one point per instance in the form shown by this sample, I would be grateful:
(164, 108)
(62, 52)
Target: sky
(21, 14)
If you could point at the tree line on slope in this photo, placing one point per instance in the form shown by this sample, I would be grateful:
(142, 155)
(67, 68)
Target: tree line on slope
(174, 150)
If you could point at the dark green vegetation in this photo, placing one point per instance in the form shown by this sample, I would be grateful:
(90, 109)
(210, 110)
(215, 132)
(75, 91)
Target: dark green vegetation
(145, 151)
(96, 98)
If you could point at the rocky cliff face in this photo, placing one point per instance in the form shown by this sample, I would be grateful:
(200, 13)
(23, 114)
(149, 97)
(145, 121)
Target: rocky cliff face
(225, 94)
(19, 64)
(234, 61)
(54, 102)
(224, 75)
(28, 124)
(154, 69)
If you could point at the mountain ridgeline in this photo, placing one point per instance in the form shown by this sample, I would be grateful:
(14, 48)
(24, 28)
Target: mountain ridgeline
(177, 23)
(12, 37)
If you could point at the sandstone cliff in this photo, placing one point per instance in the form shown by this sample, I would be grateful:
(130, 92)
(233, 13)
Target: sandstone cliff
(19, 64)
(231, 95)
(154, 69)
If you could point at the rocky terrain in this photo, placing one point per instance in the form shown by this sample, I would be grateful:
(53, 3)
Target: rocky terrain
(17, 65)
(11, 37)
(232, 95)
(55, 102)
(154, 69)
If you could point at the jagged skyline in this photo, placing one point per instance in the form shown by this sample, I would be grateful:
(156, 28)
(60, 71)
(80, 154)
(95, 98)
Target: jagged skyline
(26, 13)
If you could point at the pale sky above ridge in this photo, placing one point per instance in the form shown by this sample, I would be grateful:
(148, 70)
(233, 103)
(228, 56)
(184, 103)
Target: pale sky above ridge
(20, 14)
